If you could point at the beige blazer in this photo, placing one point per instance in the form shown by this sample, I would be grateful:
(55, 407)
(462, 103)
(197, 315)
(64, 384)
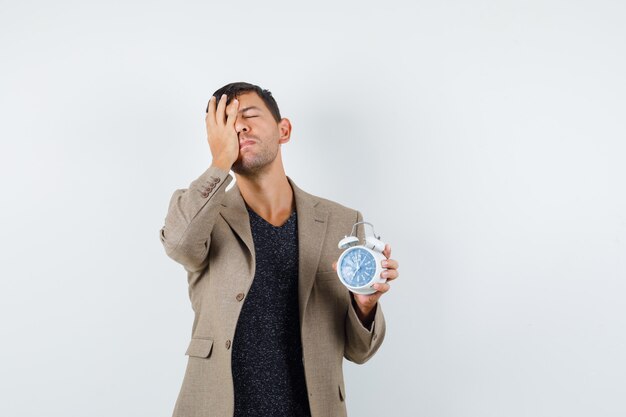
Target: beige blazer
(207, 230)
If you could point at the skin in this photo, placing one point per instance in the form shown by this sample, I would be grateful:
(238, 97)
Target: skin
(245, 137)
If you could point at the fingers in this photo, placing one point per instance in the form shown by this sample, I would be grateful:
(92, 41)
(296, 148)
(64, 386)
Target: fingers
(220, 115)
(390, 274)
(371, 299)
(335, 266)
(232, 113)
(387, 250)
(390, 263)
(210, 110)
(381, 288)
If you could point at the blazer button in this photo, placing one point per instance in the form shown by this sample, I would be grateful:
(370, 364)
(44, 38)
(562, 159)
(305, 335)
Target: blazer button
(228, 344)
(205, 194)
(239, 296)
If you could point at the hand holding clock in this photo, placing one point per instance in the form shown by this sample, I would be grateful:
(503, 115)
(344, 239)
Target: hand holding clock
(365, 305)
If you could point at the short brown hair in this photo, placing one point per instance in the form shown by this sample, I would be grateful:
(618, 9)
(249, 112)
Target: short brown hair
(233, 90)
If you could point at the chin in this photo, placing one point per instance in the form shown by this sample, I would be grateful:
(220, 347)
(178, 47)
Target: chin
(252, 165)
(247, 169)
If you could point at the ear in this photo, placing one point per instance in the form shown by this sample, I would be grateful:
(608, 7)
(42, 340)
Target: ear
(284, 129)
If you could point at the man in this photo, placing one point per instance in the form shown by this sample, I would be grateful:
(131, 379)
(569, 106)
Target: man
(272, 320)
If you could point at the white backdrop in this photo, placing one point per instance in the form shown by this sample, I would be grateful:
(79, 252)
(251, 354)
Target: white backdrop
(484, 139)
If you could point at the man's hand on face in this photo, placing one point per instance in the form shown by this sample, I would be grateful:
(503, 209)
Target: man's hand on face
(221, 133)
(365, 305)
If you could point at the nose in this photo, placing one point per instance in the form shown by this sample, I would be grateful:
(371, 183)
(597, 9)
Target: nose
(241, 125)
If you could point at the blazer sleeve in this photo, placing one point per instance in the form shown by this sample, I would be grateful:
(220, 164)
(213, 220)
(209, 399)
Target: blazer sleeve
(190, 218)
(361, 342)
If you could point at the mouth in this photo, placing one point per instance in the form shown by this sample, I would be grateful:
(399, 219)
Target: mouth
(245, 143)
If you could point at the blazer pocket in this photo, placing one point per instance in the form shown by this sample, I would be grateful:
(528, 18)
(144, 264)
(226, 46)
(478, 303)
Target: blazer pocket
(200, 348)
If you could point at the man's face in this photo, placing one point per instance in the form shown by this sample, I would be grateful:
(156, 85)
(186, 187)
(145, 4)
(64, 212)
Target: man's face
(259, 135)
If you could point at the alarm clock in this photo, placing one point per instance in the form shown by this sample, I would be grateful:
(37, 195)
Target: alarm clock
(359, 266)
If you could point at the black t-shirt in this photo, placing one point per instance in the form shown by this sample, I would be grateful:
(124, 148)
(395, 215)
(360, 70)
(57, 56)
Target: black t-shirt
(268, 373)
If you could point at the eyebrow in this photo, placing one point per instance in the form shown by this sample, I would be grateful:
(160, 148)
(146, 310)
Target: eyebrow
(249, 108)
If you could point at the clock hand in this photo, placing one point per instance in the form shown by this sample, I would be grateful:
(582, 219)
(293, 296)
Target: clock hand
(356, 266)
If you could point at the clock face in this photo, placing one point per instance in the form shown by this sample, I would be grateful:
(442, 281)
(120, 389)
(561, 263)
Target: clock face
(358, 267)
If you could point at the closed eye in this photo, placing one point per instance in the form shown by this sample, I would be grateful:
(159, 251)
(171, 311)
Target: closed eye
(248, 117)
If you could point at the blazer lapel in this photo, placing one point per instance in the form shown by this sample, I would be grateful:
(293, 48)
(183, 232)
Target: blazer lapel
(237, 217)
(312, 223)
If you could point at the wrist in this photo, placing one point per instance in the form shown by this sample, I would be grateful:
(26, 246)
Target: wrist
(221, 164)
(364, 313)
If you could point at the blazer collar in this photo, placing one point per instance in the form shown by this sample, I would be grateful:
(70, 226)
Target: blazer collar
(236, 215)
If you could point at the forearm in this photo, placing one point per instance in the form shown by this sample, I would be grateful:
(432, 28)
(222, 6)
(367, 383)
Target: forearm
(365, 315)
(190, 218)
(362, 341)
